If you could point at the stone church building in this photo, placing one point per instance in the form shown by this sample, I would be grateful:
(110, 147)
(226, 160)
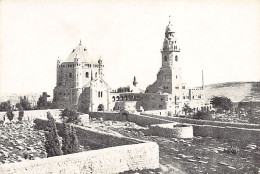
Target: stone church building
(80, 85)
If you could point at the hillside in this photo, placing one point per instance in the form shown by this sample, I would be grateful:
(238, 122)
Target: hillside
(236, 91)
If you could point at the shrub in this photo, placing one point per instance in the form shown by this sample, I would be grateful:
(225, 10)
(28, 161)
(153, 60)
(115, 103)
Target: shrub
(10, 114)
(70, 116)
(201, 115)
(21, 114)
(24, 103)
(5, 105)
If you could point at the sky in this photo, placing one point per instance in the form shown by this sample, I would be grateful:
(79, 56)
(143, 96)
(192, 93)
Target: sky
(221, 37)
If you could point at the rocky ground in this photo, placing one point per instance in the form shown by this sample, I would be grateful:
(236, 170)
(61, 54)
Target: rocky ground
(19, 142)
(197, 155)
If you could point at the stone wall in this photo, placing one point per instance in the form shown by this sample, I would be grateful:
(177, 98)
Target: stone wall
(141, 120)
(204, 128)
(32, 114)
(206, 122)
(89, 137)
(106, 161)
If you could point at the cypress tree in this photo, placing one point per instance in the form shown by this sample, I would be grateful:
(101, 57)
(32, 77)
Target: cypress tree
(52, 144)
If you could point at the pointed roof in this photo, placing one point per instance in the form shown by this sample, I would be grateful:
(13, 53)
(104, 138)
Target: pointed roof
(79, 52)
(96, 80)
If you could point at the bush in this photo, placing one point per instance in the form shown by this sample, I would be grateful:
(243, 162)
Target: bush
(21, 114)
(201, 115)
(70, 116)
(4, 106)
(24, 103)
(10, 114)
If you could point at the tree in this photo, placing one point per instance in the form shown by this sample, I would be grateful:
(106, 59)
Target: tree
(5, 105)
(52, 144)
(222, 103)
(42, 102)
(10, 114)
(24, 103)
(21, 114)
(70, 143)
(187, 109)
(70, 116)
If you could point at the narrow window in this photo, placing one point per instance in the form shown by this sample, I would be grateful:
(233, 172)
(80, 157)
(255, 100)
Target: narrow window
(176, 58)
(165, 58)
(87, 75)
(70, 75)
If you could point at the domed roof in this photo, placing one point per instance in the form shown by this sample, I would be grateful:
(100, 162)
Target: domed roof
(169, 28)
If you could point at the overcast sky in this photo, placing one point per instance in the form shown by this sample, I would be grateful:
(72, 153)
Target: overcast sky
(220, 37)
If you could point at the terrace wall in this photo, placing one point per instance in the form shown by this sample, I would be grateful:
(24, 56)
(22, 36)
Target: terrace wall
(204, 128)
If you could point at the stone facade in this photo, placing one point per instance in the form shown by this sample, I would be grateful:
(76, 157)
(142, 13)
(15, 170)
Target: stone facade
(73, 74)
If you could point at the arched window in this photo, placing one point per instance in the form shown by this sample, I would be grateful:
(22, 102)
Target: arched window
(87, 75)
(176, 58)
(165, 58)
(95, 75)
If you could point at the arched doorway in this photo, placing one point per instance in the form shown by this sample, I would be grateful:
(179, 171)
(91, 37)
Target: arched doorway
(100, 107)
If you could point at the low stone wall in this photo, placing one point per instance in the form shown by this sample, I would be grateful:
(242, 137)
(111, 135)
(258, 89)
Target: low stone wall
(141, 120)
(242, 134)
(204, 128)
(32, 114)
(172, 130)
(206, 122)
(107, 161)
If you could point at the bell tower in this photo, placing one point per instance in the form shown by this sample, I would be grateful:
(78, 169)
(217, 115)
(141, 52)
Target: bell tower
(170, 51)
(169, 78)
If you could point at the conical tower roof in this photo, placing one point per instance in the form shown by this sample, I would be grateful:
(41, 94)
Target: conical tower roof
(79, 52)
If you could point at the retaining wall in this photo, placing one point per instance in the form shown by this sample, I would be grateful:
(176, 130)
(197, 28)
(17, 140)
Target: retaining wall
(204, 128)
(89, 137)
(106, 161)
(172, 130)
